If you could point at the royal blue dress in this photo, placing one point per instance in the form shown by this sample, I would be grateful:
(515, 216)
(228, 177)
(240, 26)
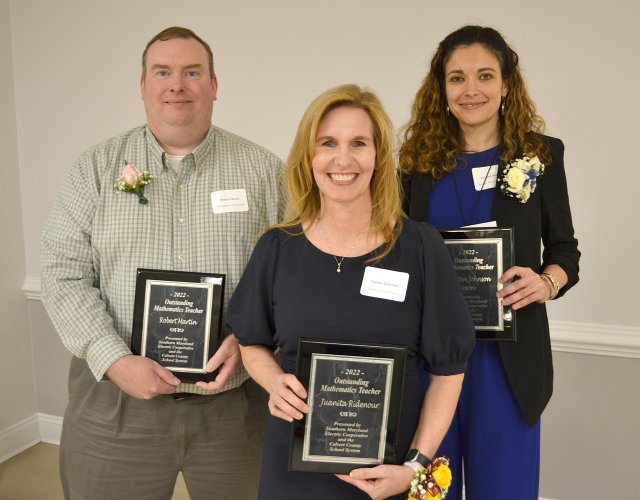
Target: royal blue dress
(488, 421)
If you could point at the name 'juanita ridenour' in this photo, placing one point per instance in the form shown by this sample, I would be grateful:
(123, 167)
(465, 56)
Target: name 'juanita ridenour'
(349, 386)
(341, 403)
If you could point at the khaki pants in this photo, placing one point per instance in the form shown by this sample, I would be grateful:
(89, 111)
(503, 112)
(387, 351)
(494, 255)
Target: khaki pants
(114, 446)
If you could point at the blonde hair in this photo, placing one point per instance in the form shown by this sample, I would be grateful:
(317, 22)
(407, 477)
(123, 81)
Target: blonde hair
(304, 196)
(432, 138)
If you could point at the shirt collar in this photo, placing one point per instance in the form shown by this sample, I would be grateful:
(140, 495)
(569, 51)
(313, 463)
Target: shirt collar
(158, 155)
(155, 152)
(204, 148)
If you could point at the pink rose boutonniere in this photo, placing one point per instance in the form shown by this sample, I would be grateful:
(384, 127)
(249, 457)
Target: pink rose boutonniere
(131, 180)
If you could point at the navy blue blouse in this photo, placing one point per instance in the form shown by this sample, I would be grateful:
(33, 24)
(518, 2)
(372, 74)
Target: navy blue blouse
(290, 289)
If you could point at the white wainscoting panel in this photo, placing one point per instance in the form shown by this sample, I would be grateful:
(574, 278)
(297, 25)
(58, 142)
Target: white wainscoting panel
(566, 336)
(37, 428)
(18, 437)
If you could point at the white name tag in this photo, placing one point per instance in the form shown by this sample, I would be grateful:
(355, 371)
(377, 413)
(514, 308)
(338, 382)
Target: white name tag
(485, 177)
(384, 284)
(491, 223)
(231, 200)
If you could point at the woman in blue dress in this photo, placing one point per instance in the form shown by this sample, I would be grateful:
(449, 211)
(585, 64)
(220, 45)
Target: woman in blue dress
(306, 278)
(474, 153)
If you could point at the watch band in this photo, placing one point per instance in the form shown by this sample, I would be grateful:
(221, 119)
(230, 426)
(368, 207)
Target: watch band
(415, 456)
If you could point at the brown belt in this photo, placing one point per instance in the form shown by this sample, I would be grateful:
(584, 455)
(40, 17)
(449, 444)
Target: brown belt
(183, 395)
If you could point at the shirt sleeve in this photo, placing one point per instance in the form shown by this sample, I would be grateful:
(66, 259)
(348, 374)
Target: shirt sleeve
(447, 334)
(250, 312)
(282, 193)
(70, 279)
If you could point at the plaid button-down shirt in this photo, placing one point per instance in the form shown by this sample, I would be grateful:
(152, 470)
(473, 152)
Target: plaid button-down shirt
(96, 236)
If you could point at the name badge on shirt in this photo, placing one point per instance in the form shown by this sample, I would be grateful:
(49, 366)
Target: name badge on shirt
(230, 200)
(384, 284)
(485, 177)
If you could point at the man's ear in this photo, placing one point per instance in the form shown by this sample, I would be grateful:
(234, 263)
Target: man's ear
(142, 87)
(214, 85)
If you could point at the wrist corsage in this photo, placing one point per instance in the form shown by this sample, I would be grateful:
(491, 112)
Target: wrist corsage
(131, 180)
(432, 481)
(520, 176)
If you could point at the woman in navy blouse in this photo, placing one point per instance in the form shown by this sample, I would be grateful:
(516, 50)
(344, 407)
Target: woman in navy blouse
(346, 265)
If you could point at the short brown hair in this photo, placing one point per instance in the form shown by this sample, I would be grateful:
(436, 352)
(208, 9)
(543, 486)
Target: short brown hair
(177, 32)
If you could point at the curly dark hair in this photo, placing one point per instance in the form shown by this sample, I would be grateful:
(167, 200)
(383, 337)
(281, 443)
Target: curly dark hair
(432, 138)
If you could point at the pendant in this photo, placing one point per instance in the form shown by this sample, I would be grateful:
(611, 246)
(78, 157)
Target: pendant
(338, 263)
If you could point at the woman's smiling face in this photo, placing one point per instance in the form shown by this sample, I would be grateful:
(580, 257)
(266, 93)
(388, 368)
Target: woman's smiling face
(345, 155)
(474, 87)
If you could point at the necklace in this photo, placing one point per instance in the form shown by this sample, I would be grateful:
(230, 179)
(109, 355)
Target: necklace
(475, 201)
(338, 263)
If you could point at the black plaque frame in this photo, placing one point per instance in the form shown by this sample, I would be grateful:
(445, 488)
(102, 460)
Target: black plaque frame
(184, 340)
(344, 431)
(480, 256)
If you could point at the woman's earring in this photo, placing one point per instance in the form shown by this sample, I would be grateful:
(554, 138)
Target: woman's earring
(502, 106)
(446, 107)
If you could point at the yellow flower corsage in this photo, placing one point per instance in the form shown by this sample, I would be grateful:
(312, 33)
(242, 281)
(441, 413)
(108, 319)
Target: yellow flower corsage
(432, 481)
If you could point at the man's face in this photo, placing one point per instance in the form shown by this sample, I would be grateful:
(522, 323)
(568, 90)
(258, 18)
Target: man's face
(177, 88)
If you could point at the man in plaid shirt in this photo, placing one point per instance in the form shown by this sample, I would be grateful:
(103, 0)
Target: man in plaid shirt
(130, 425)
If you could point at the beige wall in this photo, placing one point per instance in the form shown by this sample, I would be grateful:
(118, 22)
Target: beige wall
(590, 434)
(51, 362)
(17, 391)
(74, 71)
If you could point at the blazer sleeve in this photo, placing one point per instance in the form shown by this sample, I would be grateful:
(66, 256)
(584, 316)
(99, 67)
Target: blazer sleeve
(416, 190)
(560, 244)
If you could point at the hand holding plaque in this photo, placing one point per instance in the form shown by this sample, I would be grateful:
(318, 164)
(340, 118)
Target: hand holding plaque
(480, 256)
(354, 396)
(177, 320)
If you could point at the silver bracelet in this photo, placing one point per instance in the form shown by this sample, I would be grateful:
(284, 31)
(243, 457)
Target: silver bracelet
(416, 466)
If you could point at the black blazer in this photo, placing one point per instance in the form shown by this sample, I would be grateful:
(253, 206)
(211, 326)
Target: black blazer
(545, 217)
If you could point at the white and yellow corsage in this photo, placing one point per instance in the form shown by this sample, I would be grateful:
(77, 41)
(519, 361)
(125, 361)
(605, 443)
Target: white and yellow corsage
(519, 178)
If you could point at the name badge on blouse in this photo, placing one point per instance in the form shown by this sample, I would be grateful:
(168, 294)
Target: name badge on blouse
(485, 177)
(230, 200)
(384, 284)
